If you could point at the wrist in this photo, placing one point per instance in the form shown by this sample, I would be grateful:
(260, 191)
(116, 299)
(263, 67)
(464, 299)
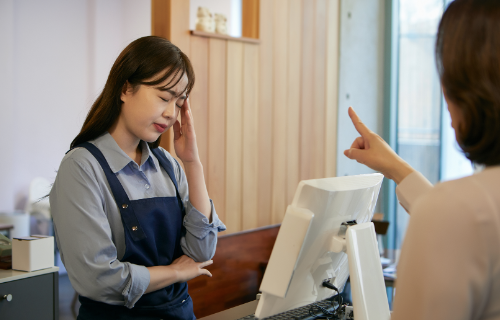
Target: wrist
(401, 171)
(190, 165)
(174, 272)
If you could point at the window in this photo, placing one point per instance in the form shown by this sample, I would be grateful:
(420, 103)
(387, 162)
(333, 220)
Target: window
(424, 137)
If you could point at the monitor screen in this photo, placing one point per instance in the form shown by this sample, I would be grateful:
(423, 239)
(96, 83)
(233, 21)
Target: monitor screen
(303, 255)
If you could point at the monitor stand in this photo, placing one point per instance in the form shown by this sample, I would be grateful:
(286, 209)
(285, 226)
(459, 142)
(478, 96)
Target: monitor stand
(369, 297)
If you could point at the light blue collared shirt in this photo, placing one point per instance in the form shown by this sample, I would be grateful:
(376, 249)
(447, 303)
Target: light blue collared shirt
(88, 225)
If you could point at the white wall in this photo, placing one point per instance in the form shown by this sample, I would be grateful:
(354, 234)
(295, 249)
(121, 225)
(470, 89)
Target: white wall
(55, 56)
(361, 76)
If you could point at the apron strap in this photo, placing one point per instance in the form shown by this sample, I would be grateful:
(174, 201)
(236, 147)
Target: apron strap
(167, 165)
(130, 221)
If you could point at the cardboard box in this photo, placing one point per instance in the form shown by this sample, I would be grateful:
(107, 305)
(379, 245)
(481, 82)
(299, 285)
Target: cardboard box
(32, 253)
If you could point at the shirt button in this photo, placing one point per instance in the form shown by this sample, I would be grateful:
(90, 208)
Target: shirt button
(146, 186)
(124, 206)
(134, 228)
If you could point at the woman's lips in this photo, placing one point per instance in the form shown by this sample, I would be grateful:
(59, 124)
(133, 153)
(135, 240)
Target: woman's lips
(160, 127)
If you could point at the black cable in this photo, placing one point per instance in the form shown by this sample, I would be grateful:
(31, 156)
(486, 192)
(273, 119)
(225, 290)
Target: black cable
(326, 283)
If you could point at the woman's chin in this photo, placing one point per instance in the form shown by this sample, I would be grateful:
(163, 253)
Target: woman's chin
(150, 138)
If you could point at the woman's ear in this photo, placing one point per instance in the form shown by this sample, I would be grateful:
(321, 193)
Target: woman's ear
(127, 90)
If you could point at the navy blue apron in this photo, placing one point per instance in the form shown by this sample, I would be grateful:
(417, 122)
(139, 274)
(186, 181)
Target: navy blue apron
(153, 229)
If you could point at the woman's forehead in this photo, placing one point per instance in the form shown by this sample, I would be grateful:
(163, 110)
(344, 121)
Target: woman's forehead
(180, 87)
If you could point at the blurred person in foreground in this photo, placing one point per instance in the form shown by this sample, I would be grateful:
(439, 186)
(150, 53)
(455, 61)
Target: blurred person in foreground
(449, 266)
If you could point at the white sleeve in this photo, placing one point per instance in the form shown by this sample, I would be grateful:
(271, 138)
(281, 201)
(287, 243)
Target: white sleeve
(411, 188)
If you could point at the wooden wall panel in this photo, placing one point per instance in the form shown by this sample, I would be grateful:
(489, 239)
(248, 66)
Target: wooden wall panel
(332, 71)
(199, 97)
(160, 18)
(318, 98)
(179, 25)
(250, 18)
(216, 169)
(307, 85)
(265, 114)
(234, 134)
(266, 81)
(280, 101)
(294, 92)
(170, 20)
(250, 136)
(237, 271)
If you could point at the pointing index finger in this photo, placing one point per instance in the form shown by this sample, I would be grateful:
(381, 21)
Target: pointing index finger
(358, 124)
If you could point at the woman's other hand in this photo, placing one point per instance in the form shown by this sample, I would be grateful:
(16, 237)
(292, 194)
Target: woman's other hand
(181, 269)
(187, 269)
(371, 150)
(185, 136)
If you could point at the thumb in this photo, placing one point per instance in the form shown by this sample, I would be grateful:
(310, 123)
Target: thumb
(355, 154)
(177, 130)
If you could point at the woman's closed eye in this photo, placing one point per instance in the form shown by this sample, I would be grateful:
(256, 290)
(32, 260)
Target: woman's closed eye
(180, 102)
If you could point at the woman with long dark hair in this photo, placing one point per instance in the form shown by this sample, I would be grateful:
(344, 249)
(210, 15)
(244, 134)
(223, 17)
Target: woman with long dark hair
(450, 259)
(131, 225)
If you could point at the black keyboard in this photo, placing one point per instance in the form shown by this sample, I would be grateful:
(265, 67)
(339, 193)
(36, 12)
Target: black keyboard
(301, 313)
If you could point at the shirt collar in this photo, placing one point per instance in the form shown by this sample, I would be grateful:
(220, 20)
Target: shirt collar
(116, 157)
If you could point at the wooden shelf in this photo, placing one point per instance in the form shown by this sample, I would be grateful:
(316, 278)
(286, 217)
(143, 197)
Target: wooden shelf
(221, 36)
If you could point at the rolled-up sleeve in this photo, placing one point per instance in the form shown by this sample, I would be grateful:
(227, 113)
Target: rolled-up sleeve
(85, 239)
(200, 240)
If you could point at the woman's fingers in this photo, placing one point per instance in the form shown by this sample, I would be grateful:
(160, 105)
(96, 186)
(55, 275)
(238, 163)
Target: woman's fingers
(206, 263)
(359, 143)
(206, 272)
(186, 108)
(358, 124)
(355, 154)
(177, 130)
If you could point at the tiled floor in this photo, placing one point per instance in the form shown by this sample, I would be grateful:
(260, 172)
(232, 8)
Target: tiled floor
(66, 294)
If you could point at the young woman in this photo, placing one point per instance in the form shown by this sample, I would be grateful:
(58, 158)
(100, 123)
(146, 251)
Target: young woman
(450, 262)
(131, 226)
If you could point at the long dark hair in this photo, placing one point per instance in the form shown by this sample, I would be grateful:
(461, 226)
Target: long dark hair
(468, 62)
(143, 59)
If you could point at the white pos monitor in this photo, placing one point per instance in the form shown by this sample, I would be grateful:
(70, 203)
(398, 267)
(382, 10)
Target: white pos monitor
(315, 243)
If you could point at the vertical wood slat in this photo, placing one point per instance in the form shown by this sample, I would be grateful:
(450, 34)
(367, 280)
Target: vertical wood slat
(250, 136)
(265, 112)
(293, 104)
(160, 18)
(174, 27)
(199, 97)
(250, 18)
(318, 99)
(332, 68)
(179, 25)
(280, 43)
(234, 136)
(306, 101)
(216, 168)
(160, 26)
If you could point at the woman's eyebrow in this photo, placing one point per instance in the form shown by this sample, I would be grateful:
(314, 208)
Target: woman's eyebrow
(173, 93)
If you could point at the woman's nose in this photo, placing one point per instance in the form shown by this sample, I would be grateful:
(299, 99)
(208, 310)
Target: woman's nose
(169, 112)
